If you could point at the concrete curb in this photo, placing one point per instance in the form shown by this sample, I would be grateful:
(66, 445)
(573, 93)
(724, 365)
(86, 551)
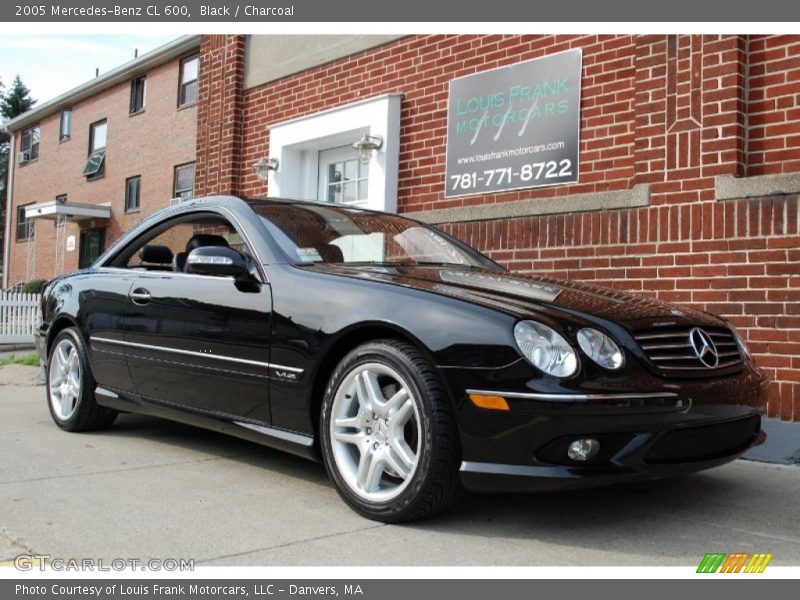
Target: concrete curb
(16, 347)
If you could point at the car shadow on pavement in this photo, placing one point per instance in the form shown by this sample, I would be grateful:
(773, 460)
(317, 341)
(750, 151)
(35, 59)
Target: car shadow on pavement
(677, 518)
(670, 518)
(215, 444)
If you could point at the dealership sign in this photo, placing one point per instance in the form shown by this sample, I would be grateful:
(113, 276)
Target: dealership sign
(514, 127)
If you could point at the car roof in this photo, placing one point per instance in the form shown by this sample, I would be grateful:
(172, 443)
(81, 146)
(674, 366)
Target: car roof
(278, 201)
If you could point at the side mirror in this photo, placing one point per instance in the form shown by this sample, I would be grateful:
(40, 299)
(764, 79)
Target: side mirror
(216, 260)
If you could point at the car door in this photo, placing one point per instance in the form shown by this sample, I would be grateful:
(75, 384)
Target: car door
(200, 342)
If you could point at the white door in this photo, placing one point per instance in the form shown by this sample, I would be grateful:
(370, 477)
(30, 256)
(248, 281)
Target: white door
(343, 179)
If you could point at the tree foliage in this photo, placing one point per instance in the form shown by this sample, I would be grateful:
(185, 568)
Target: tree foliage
(16, 101)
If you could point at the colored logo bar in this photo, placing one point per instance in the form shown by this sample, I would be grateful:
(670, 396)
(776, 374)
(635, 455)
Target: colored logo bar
(736, 562)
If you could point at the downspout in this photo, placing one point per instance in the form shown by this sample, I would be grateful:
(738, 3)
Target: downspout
(9, 197)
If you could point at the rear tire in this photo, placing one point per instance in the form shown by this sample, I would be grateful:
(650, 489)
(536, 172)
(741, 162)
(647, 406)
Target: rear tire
(71, 386)
(389, 439)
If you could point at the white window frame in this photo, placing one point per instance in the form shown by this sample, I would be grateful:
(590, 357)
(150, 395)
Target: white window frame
(93, 147)
(298, 142)
(183, 193)
(183, 83)
(340, 154)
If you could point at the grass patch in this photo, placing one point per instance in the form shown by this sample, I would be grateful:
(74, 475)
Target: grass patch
(29, 360)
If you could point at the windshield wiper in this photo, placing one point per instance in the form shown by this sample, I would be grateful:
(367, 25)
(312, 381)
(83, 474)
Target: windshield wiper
(435, 263)
(362, 263)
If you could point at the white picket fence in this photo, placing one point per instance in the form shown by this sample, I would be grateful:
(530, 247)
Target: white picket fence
(19, 317)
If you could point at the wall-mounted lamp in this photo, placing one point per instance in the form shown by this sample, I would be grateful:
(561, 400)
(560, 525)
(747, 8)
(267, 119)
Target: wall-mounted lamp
(367, 146)
(264, 166)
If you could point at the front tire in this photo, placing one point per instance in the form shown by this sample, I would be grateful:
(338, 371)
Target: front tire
(70, 386)
(389, 440)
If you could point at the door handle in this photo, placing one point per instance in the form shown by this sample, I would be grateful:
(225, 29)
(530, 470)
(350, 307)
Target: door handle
(140, 296)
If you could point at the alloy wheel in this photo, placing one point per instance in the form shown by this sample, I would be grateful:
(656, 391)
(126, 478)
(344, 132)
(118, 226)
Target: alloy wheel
(65, 379)
(375, 432)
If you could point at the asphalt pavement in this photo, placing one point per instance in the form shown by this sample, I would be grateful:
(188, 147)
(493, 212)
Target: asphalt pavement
(152, 489)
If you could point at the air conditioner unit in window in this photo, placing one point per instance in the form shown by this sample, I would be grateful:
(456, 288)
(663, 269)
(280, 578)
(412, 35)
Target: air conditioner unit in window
(176, 200)
(23, 157)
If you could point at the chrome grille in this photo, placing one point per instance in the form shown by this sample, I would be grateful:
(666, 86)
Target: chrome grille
(671, 349)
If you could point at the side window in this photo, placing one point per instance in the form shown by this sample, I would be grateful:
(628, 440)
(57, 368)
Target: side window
(95, 164)
(166, 248)
(138, 88)
(29, 145)
(187, 92)
(65, 128)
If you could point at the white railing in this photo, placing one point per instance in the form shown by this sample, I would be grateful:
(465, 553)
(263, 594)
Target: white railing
(19, 317)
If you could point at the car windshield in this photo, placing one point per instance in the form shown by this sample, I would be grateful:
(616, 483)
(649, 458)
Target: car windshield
(312, 233)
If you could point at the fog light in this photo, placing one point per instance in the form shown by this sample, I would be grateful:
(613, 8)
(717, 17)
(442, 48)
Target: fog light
(583, 450)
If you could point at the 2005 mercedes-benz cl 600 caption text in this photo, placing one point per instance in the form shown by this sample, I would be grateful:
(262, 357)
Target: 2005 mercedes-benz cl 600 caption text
(413, 366)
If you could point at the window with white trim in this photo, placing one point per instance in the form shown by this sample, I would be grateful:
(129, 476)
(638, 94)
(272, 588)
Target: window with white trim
(183, 186)
(187, 91)
(317, 160)
(343, 179)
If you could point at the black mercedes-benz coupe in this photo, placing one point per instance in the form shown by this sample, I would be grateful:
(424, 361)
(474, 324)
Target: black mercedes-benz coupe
(413, 366)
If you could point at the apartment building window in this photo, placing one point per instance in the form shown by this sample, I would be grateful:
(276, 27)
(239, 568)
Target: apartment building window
(188, 87)
(97, 136)
(133, 186)
(29, 146)
(65, 131)
(95, 165)
(138, 87)
(25, 226)
(184, 181)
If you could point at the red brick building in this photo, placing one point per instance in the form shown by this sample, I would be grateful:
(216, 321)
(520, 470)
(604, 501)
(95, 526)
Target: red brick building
(91, 163)
(689, 160)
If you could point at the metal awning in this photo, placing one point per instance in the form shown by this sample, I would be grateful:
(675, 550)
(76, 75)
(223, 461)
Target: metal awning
(71, 211)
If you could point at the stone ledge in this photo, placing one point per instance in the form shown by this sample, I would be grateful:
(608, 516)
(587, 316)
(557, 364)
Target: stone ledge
(637, 197)
(728, 187)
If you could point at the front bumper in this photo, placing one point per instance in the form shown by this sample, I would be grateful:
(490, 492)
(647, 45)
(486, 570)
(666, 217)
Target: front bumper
(629, 463)
(662, 430)
(40, 341)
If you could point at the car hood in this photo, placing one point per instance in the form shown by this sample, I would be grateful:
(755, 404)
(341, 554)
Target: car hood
(525, 295)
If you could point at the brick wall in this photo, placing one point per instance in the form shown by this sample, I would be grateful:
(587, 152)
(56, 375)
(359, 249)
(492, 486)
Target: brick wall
(149, 144)
(670, 112)
(220, 114)
(774, 110)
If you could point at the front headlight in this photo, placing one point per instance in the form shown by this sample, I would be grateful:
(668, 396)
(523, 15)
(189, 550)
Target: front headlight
(545, 348)
(601, 348)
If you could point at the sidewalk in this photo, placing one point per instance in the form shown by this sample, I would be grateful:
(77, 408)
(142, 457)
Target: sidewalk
(782, 445)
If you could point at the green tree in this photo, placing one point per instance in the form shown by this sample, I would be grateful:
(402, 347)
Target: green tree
(16, 101)
(13, 103)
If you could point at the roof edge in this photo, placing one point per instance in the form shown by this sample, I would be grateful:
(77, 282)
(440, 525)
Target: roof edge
(154, 58)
